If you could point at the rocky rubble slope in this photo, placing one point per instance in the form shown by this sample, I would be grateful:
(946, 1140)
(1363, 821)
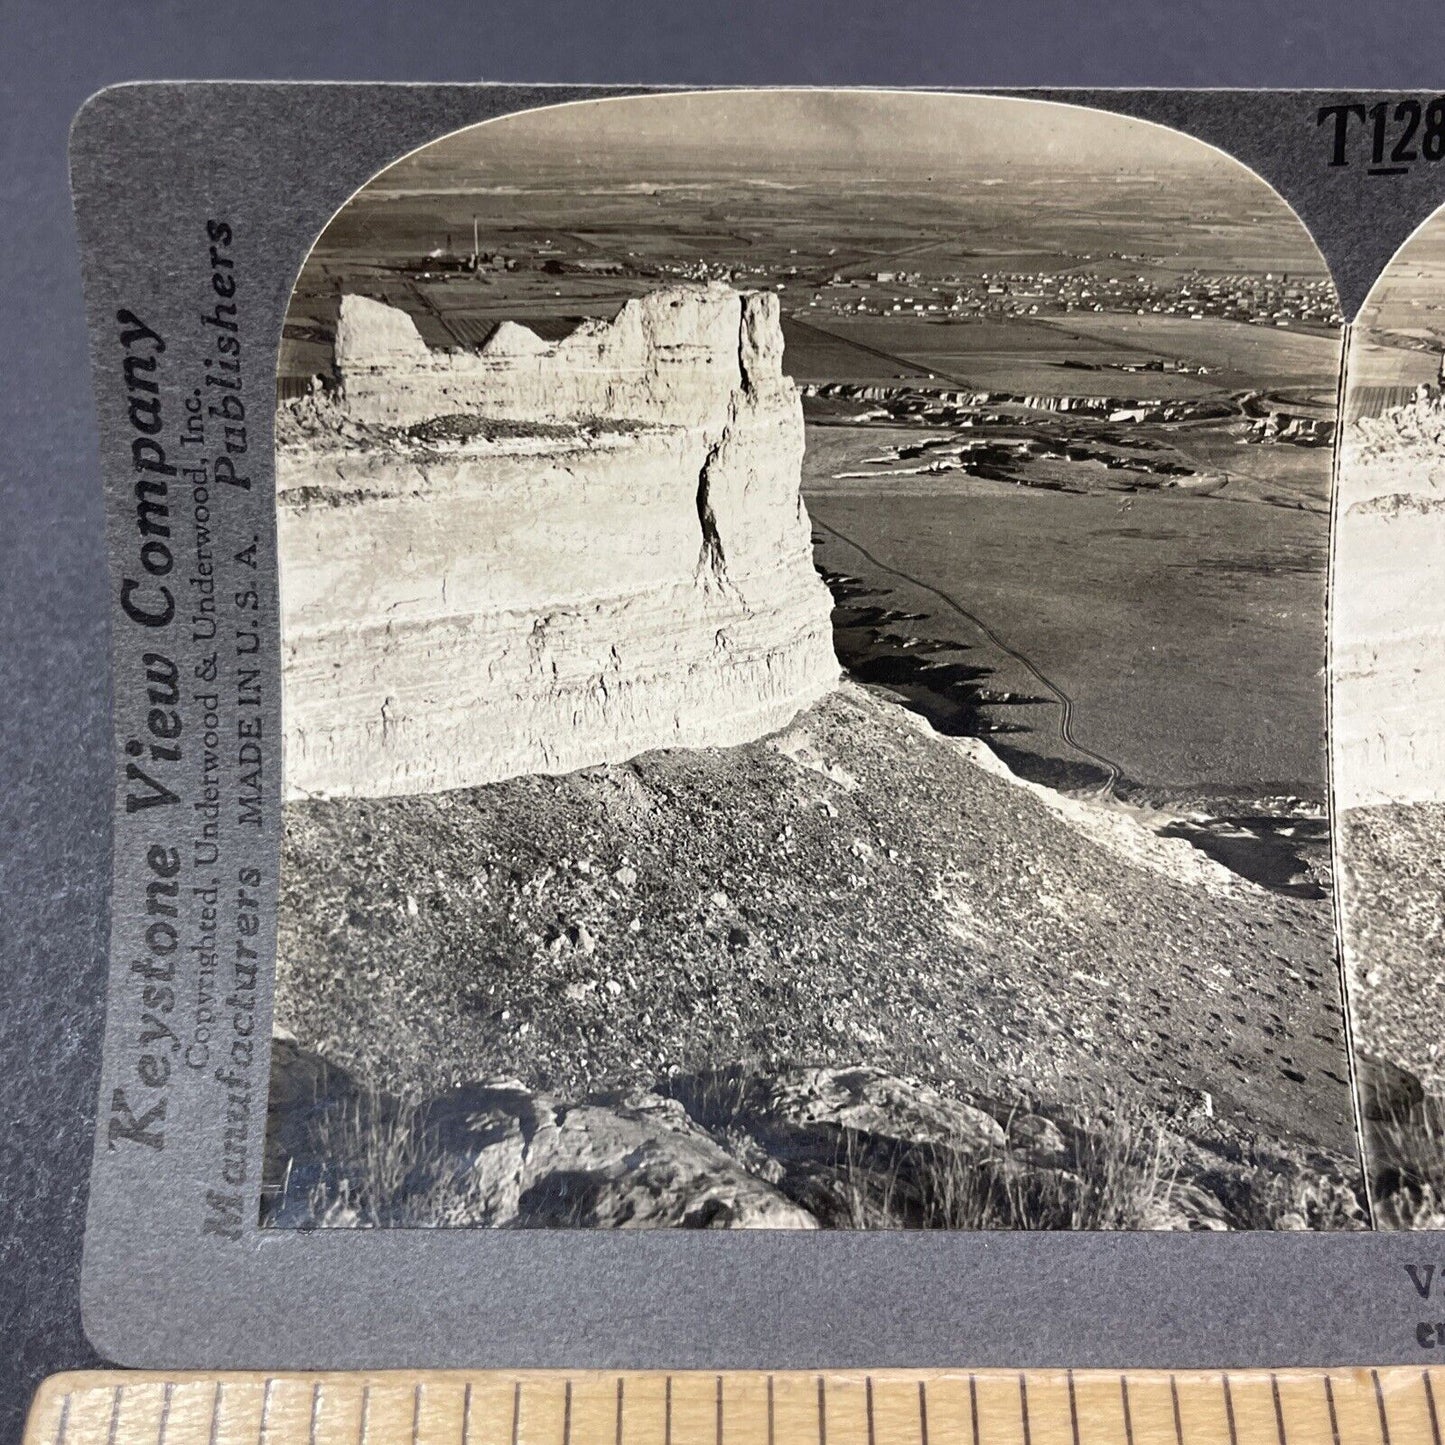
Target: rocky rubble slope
(852, 889)
(544, 556)
(1391, 859)
(1391, 862)
(1388, 609)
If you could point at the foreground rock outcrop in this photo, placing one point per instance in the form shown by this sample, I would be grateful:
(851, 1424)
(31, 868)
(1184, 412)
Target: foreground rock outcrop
(542, 556)
(497, 1155)
(795, 1148)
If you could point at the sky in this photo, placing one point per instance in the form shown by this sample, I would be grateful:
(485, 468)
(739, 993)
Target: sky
(872, 132)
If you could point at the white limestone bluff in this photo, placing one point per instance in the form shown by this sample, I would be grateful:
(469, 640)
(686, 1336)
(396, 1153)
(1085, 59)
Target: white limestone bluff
(537, 557)
(1388, 608)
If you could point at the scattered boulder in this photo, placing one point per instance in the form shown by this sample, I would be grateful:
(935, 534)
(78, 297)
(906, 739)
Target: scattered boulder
(498, 1154)
(1187, 1206)
(808, 1110)
(1039, 1139)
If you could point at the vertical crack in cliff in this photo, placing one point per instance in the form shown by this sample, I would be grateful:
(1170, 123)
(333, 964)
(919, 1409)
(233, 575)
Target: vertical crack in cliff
(745, 380)
(712, 564)
(712, 560)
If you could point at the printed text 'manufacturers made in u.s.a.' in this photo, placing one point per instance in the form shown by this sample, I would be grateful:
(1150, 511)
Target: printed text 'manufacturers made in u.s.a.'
(190, 711)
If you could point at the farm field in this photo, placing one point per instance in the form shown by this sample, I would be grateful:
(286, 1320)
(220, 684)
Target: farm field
(1026, 356)
(1399, 339)
(1186, 630)
(1239, 354)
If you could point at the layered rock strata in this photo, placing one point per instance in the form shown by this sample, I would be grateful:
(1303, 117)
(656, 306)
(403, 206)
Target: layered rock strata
(1388, 620)
(543, 556)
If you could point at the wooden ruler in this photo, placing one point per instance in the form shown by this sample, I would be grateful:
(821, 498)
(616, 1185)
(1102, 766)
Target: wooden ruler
(1397, 1406)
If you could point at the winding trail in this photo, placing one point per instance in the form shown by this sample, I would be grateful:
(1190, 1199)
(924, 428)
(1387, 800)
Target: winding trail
(1066, 703)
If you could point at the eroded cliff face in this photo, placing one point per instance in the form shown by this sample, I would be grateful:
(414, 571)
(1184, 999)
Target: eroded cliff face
(539, 557)
(1388, 609)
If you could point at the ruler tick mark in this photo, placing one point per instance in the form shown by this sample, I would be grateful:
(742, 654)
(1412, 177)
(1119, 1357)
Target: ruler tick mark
(64, 1420)
(1330, 1403)
(266, 1413)
(868, 1401)
(922, 1413)
(567, 1413)
(1430, 1401)
(1024, 1407)
(1128, 1413)
(770, 1412)
(1380, 1405)
(618, 1435)
(365, 1412)
(215, 1412)
(165, 1412)
(973, 1404)
(416, 1414)
(667, 1413)
(315, 1411)
(516, 1411)
(1229, 1410)
(114, 1415)
(718, 1423)
(822, 1412)
(1178, 1422)
(1073, 1409)
(1278, 1408)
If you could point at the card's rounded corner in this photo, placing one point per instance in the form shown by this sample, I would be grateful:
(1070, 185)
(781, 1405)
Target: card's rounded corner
(95, 101)
(96, 107)
(104, 1331)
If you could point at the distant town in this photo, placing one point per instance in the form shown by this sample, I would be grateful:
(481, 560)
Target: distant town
(1274, 298)
(1090, 283)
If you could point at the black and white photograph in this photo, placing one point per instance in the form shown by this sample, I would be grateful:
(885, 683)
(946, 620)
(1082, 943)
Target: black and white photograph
(1388, 637)
(803, 625)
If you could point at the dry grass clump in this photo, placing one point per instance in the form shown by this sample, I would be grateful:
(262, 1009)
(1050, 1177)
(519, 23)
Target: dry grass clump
(379, 1167)
(1119, 1177)
(1407, 1167)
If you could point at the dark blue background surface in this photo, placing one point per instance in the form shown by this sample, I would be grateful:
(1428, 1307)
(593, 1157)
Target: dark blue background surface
(54, 768)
